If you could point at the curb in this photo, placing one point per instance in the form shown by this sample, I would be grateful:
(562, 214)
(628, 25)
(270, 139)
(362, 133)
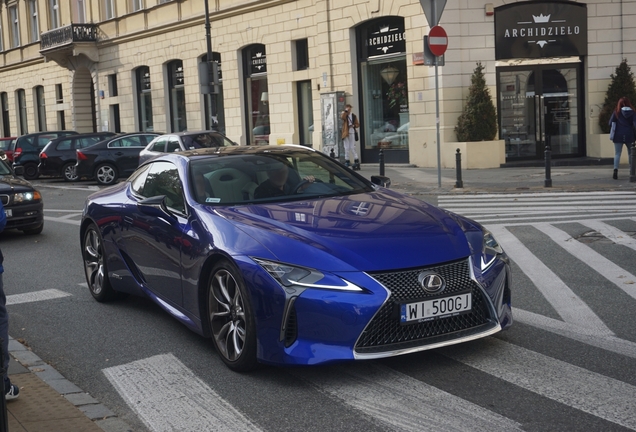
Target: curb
(103, 417)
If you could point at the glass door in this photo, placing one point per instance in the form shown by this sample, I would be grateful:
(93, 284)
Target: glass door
(539, 107)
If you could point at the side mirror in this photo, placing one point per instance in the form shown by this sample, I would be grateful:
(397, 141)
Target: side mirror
(381, 181)
(156, 207)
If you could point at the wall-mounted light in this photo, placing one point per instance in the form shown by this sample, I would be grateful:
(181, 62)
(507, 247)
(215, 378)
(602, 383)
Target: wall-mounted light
(265, 97)
(490, 9)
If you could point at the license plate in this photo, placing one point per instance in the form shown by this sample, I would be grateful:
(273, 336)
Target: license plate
(427, 310)
(8, 212)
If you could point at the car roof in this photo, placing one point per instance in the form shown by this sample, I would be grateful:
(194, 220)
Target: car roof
(83, 135)
(244, 149)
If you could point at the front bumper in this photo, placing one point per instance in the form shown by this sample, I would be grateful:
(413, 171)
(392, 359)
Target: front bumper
(25, 216)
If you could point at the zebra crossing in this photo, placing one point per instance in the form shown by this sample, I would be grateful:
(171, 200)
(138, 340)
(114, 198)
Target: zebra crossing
(397, 394)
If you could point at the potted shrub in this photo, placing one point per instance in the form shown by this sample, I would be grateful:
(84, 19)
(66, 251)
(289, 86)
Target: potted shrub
(621, 84)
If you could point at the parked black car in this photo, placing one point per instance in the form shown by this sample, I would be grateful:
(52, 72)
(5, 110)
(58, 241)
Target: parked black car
(26, 150)
(112, 158)
(22, 202)
(58, 157)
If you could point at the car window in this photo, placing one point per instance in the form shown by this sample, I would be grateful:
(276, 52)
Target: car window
(205, 140)
(160, 145)
(163, 179)
(88, 141)
(66, 144)
(5, 144)
(132, 141)
(173, 145)
(138, 179)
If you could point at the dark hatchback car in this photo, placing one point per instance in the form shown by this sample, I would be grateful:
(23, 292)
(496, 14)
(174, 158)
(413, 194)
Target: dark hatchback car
(112, 158)
(58, 157)
(181, 141)
(26, 150)
(21, 201)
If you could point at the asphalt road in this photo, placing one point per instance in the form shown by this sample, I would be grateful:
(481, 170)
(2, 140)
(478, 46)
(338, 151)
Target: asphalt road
(568, 362)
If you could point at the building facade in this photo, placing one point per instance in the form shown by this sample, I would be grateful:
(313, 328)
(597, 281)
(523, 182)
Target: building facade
(287, 67)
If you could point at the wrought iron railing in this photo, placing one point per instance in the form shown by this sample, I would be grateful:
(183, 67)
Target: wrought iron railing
(69, 34)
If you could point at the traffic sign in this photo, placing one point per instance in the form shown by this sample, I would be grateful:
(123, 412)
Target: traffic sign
(437, 40)
(433, 10)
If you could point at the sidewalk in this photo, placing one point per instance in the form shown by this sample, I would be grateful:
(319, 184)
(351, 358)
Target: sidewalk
(424, 181)
(49, 402)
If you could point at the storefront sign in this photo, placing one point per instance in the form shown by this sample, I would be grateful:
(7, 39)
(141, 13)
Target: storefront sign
(540, 29)
(386, 38)
(258, 60)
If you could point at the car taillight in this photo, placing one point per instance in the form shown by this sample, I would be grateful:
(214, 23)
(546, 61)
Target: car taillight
(80, 155)
(9, 154)
(43, 155)
(17, 152)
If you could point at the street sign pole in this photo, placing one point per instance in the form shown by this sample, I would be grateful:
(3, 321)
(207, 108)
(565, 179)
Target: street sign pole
(439, 157)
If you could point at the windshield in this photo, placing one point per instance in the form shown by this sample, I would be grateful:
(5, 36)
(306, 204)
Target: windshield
(205, 140)
(4, 168)
(262, 177)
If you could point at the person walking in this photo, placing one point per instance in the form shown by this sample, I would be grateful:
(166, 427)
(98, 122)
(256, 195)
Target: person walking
(11, 391)
(622, 124)
(350, 125)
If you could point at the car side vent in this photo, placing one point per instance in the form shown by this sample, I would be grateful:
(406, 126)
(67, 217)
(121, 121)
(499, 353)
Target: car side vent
(133, 268)
(291, 328)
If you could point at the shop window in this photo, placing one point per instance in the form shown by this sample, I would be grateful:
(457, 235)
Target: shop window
(257, 94)
(305, 113)
(22, 111)
(40, 108)
(178, 120)
(301, 54)
(6, 125)
(144, 99)
(214, 108)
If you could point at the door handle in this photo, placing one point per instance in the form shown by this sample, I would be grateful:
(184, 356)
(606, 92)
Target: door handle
(119, 153)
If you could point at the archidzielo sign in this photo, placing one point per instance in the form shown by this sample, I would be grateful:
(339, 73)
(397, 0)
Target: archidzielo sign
(540, 29)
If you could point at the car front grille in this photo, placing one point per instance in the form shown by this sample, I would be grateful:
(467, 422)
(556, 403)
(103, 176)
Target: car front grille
(385, 333)
(4, 199)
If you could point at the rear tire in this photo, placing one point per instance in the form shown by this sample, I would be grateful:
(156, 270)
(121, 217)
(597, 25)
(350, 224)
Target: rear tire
(106, 174)
(95, 265)
(31, 171)
(231, 318)
(69, 173)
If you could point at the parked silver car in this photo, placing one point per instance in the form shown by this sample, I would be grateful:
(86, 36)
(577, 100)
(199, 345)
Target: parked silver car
(181, 141)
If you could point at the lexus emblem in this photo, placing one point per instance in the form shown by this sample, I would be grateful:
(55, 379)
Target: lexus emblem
(431, 282)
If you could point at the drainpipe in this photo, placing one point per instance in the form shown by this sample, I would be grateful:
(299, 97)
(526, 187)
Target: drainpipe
(328, 3)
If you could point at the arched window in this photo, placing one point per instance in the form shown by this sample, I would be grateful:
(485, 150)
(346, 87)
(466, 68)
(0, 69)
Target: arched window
(178, 120)
(144, 98)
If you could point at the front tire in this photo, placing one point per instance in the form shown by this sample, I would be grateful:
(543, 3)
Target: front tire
(106, 174)
(69, 173)
(95, 265)
(231, 318)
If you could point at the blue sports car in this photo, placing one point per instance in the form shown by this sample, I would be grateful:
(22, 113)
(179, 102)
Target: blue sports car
(284, 256)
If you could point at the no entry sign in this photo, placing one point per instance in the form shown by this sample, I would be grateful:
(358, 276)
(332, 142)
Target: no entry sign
(437, 40)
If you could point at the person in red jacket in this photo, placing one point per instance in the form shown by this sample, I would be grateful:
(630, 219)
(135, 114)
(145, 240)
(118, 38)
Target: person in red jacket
(625, 119)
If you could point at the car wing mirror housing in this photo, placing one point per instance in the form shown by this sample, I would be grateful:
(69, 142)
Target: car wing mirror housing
(156, 207)
(381, 181)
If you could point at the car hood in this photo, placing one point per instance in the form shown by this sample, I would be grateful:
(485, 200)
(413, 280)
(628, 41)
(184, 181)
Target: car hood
(15, 184)
(371, 232)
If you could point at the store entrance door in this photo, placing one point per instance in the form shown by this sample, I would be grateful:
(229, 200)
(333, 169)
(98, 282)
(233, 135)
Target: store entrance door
(540, 106)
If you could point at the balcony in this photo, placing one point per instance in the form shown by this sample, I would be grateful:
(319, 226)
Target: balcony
(62, 44)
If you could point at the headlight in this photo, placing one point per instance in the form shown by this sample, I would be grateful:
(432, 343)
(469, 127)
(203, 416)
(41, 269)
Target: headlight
(24, 197)
(288, 275)
(490, 250)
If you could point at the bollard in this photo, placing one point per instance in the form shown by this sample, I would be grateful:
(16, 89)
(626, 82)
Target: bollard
(381, 154)
(458, 165)
(632, 164)
(548, 164)
(332, 154)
